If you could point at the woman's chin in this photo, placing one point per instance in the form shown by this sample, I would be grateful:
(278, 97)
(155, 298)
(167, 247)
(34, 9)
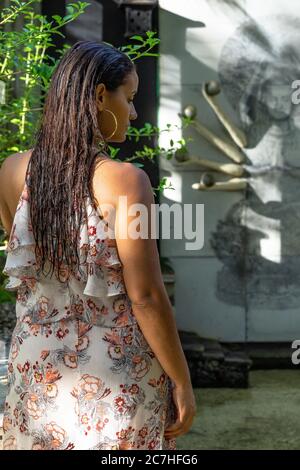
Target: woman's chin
(118, 139)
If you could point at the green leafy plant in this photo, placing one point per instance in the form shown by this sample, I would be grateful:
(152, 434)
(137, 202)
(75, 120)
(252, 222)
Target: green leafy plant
(143, 48)
(26, 65)
(149, 131)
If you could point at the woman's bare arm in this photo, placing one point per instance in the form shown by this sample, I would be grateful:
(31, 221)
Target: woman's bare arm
(145, 287)
(144, 282)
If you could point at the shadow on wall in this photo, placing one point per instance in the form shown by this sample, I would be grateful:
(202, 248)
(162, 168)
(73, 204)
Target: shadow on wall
(263, 227)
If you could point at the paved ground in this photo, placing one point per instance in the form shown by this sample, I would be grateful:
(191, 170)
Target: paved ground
(264, 416)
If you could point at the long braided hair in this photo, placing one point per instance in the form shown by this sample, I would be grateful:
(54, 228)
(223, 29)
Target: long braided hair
(62, 163)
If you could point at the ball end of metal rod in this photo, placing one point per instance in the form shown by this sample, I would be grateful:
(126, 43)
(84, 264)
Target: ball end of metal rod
(181, 155)
(190, 111)
(207, 180)
(212, 87)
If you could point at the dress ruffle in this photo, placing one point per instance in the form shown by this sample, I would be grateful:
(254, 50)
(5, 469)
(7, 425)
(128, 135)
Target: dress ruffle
(100, 266)
(104, 271)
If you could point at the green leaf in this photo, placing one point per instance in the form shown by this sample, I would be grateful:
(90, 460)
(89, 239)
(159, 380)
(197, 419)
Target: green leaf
(137, 164)
(68, 17)
(137, 38)
(83, 4)
(57, 18)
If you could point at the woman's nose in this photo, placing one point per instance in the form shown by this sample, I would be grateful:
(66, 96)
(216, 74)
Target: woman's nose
(133, 114)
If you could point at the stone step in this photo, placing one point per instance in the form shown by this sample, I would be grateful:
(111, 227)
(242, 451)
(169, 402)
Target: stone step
(214, 365)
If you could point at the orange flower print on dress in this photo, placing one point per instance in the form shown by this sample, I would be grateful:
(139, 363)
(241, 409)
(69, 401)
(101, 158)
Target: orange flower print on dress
(90, 384)
(90, 394)
(70, 360)
(51, 436)
(33, 406)
(10, 443)
(51, 390)
(129, 353)
(57, 434)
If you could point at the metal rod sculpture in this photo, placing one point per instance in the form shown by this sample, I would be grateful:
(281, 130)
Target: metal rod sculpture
(208, 183)
(229, 150)
(231, 169)
(210, 90)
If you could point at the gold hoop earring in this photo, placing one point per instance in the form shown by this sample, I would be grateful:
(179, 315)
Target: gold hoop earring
(116, 123)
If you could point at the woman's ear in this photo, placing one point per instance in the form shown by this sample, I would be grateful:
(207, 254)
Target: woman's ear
(100, 91)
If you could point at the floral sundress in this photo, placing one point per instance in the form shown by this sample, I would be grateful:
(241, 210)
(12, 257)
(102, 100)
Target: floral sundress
(80, 372)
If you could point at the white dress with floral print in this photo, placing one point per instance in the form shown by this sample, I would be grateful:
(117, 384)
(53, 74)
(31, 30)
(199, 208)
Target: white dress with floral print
(80, 373)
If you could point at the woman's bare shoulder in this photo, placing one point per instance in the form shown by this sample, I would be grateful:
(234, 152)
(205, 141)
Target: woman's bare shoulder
(12, 172)
(114, 167)
(12, 178)
(119, 178)
(14, 159)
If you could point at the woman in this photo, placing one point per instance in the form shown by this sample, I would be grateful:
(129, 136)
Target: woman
(95, 359)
